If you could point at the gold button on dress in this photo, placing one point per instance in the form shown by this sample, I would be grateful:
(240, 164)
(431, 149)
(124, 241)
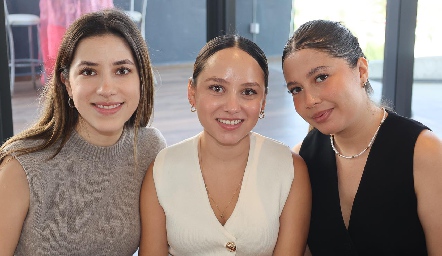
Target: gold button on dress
(231, 246)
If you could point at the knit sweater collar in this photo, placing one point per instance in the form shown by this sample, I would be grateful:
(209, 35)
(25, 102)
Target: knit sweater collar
(88, 150)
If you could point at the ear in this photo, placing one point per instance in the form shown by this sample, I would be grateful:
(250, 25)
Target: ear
(363, 69)
(191, 92)
(263, 106)
(66, 84)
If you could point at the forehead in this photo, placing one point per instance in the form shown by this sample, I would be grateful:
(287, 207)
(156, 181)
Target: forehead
(103, 45)
(231, 58)
(307, 63)
(309, 54)
(309, 58)
(229, 54)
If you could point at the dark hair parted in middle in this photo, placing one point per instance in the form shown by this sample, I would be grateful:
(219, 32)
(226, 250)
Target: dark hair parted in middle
(57, 119)
(326, 36)
(230, 41)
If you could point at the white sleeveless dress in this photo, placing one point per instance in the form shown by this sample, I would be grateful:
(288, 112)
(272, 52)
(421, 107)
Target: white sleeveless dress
(192, 227)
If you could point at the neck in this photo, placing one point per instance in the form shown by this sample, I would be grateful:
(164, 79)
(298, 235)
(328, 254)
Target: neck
(96, 138)
(353, 139)
(210, 151)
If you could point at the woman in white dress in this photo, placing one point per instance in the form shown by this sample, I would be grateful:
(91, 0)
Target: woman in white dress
(227, 190)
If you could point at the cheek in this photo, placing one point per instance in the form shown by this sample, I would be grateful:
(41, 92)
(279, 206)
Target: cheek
(297, 99)
(136, 92)
(300, 107)
(205, 104)
(297, 103)
(136, 101)
(205, 99)
(133, 102)
(77, 93)
(254, 108)
(259, 105)
(82, 86)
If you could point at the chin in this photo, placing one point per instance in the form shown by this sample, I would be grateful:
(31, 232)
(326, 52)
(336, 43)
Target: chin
(234, 140)
(110, 130)
(324, 130)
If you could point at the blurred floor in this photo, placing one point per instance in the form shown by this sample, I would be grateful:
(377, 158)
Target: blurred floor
(173, 118)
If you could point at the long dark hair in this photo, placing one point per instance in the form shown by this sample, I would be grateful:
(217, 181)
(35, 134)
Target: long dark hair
(57, 119)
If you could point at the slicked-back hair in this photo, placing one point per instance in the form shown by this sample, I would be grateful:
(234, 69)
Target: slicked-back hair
(327, 36)
(230, 41)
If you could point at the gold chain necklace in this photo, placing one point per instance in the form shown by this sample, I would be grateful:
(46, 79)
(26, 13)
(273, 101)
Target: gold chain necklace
(365, 149)
(225, 208)
(207, 190)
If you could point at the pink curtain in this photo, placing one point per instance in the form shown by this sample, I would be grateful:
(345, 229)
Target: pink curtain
(55, 17)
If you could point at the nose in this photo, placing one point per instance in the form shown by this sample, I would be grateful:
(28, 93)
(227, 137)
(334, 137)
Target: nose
(107, 86)
(311, 98)
(232, 104)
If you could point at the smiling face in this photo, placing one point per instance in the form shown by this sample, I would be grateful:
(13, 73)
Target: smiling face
(327, 92)
(105, 87)
(228, 96)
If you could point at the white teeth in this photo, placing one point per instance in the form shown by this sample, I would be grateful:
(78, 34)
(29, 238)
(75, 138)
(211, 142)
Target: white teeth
(108, 106)
(229, 122)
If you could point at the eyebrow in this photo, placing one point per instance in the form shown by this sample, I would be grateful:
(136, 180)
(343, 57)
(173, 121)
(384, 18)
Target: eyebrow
(309, 74)
(222, 81)
(216, 79)
(116, 63)
(251, 84)
(125, 61)
(315, 70)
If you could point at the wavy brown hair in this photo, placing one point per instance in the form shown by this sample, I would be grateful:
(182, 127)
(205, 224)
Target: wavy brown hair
(57, 120)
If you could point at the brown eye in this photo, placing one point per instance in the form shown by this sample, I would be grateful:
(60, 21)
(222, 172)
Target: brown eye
(216, 88)
(321, 78)
(123, 71)
(295, 90)
(249, 91)
(87, 72)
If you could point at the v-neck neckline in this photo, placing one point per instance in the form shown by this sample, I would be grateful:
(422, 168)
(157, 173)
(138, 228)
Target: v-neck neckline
(361, 182)
(356, 197)
(241, 191)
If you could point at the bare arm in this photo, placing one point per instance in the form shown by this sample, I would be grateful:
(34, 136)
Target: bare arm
(295, 217)
(14, 204)
(153, 220)
(428, 186)
(307, 252)
(297, 147)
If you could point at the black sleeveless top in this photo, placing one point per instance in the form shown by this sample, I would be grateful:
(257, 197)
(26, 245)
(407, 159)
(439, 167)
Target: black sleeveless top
(384, 219)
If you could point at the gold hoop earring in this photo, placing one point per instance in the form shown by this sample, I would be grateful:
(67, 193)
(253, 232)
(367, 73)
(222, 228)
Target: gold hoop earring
(71, 103)
(261, 114)
(192, 108)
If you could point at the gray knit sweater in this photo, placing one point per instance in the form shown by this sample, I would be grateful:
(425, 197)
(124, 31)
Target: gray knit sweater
(85, 201)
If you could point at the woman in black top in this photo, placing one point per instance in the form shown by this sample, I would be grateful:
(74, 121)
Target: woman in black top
(376, 176)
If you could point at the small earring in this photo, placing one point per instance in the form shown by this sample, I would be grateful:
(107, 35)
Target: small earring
(261, 114)
(192, 108)
(71, 103)
(365, 84)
